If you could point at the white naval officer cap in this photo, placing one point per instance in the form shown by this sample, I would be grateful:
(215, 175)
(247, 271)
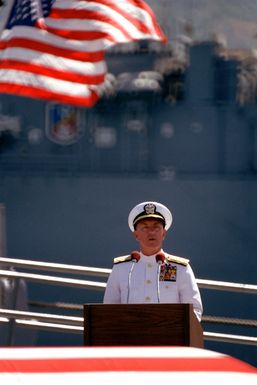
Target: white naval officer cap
(149, 210)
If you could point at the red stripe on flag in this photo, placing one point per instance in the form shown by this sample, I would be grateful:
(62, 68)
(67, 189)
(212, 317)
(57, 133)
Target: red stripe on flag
(33, 92)
(188, 364)
(52, 73)
(51, 49)
(79, 35)
(91, 15)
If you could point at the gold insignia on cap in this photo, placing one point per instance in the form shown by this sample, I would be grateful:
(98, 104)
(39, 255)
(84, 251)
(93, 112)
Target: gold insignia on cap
(150, 208)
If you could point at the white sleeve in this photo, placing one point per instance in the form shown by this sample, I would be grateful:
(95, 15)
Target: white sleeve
(189, 291)
(112, 291)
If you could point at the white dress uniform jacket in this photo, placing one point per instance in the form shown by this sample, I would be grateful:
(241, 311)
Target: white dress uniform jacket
(174, 282)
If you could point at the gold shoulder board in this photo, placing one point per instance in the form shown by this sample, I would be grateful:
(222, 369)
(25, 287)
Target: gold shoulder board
(123, 258)
(179, 260)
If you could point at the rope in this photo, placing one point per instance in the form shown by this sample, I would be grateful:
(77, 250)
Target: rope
(57, 305)
(206, 318)
(229, 321)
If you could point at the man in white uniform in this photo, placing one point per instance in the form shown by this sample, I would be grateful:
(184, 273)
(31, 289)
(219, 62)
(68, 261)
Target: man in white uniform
(152, 275)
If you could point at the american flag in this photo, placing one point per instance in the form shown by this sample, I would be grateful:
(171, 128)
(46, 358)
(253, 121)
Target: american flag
(115, 366)
(55, 49)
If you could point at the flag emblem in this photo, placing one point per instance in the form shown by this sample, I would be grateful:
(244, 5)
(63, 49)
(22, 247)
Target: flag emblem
(63, 123)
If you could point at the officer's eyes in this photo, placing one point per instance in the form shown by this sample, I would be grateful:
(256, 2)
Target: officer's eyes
(155, 228)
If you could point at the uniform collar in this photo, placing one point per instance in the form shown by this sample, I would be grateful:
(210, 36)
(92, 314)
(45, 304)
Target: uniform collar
(149, 258)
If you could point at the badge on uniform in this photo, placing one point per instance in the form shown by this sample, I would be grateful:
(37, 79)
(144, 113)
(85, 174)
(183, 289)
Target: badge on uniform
(168, 272)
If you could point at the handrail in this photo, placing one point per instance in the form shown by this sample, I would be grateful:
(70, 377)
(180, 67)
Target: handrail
(75, 324)
(53, 280)
(101, 272)
(231, 338)
(60, 319)
(56, 267)
(227, 286)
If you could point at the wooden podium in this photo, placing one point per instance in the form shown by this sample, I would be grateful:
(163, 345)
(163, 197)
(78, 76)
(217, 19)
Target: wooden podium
(141, 325)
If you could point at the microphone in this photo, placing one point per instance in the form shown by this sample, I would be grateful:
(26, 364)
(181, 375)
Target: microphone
(160, 258)
(135, 256)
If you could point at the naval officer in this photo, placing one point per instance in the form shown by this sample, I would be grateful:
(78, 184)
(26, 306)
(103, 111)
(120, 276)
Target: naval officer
(151, 275)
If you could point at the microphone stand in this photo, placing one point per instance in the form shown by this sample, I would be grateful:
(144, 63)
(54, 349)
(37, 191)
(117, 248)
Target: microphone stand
(135, 258)
(159, 259)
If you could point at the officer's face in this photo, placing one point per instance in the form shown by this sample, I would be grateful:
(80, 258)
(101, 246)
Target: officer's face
(150, 234)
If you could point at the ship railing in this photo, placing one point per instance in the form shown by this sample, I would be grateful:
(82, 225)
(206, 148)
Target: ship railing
(73, 324)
